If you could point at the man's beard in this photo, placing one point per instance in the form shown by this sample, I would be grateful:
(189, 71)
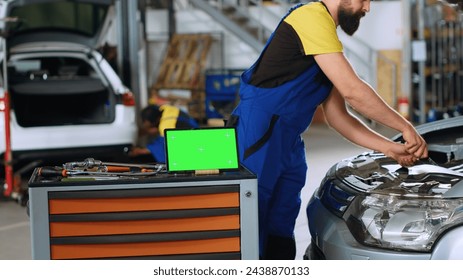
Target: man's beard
(348, 20)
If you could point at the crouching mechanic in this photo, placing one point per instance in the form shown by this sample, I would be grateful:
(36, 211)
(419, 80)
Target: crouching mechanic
(155, 119)
(301, 67)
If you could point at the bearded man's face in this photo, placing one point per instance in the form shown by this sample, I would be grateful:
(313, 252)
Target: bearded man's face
(349, 20)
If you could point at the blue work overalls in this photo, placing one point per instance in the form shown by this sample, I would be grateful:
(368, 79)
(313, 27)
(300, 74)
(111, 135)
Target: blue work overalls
(269, 125)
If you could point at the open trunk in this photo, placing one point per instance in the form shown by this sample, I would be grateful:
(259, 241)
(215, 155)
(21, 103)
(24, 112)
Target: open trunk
(58, 91)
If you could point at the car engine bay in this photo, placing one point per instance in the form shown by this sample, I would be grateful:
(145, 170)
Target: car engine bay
(439, 175)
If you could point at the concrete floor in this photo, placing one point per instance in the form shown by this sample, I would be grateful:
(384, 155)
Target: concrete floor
(324, 148)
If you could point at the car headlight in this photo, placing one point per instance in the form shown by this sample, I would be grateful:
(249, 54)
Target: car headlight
(402, 223)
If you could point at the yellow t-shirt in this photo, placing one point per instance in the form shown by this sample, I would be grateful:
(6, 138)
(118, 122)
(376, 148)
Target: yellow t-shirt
(169, 118)
(173, 117)
(316, 29)
(307, 31)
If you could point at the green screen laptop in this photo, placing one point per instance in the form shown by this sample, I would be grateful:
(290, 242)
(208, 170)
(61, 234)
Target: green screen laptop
(212, 148)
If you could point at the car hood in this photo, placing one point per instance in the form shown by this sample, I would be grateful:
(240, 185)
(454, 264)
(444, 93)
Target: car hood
(80, 22)
(439, 176)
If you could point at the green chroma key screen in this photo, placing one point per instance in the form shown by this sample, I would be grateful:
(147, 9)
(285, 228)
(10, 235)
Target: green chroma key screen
(201, 149)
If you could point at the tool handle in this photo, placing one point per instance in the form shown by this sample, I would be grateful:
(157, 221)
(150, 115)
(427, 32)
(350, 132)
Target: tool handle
(51, 172)
(110, 168)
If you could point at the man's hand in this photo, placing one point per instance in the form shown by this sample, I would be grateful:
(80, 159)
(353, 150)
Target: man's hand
(138, 151)
(414, 143)
(399, 152)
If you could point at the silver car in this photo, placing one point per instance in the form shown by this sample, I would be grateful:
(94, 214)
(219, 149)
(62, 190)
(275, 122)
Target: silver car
(370, 208)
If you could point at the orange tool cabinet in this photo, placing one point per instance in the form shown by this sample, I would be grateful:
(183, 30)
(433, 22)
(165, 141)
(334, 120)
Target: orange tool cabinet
(161, 217)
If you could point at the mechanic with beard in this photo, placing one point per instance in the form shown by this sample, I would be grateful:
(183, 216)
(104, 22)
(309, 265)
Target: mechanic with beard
(301, 67)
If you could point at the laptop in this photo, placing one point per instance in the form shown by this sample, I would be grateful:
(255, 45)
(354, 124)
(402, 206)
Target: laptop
(210, 149)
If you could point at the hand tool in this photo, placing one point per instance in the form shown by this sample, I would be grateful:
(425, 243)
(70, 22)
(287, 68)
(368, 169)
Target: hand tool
(92, 167)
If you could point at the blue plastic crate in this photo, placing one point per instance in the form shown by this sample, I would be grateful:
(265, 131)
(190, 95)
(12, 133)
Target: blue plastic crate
(221, 90)
(222, 83)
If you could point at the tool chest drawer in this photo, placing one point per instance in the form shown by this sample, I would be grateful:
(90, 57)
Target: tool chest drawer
(213, 217)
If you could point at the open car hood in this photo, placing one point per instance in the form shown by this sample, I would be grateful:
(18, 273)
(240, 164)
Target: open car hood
(80, 22)
(439, 176)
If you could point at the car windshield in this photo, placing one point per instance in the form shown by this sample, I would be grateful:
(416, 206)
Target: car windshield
(82, 18)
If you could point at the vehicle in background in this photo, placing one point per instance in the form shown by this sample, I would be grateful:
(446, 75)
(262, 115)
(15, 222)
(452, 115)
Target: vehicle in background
(369, 207)
(67, 102)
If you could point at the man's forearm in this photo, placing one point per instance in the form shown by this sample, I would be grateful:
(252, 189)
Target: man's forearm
(368, 103)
